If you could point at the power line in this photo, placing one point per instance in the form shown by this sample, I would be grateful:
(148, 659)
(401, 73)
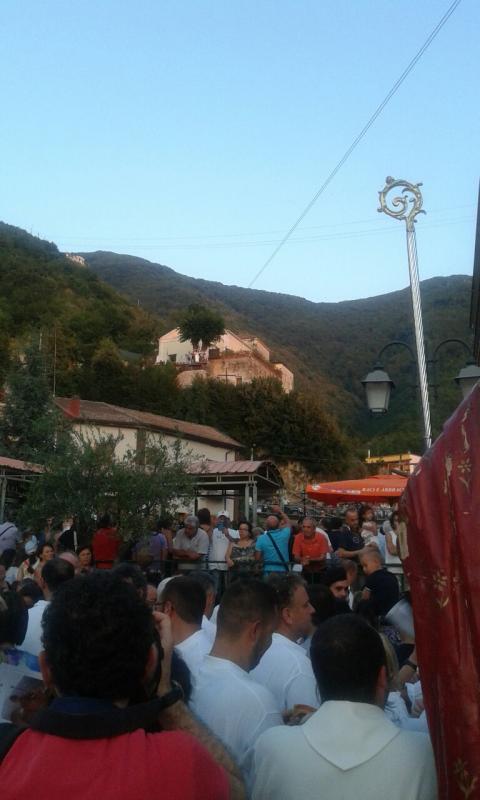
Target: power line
(380, 230)
(358, 139)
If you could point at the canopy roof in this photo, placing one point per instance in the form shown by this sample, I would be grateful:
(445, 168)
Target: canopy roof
(373, 489)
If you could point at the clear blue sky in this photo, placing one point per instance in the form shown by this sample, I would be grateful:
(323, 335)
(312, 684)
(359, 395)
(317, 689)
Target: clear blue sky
(193, 133)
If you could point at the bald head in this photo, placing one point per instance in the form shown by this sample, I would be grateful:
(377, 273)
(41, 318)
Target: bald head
(371, 560)
(271, 523)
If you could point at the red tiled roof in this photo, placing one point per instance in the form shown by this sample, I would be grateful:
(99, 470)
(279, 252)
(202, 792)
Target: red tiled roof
(208, 467)
(110, 415)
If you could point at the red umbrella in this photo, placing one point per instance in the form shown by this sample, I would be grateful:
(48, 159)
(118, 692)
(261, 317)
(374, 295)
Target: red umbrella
(373, 489)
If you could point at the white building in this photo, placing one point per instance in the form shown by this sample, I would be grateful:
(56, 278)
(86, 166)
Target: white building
(98, 420)
(233, 358)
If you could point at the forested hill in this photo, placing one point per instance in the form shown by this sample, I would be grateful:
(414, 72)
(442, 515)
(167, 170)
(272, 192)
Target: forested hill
(92, 319)
(329, 346)
(71, 308)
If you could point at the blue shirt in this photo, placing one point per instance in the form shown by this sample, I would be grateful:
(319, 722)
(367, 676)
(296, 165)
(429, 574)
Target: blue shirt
(271, 560)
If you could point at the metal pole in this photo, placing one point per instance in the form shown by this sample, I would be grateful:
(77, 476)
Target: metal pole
(247, 501)
(254, 504)
(418, 325)
(407, 206)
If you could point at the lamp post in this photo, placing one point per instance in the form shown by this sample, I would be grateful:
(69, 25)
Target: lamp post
(407, 206)
(378, 384)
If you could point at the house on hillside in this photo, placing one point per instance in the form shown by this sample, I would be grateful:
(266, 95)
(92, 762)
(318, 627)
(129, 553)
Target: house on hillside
(388, 465)
(204, 443)
(234, 359)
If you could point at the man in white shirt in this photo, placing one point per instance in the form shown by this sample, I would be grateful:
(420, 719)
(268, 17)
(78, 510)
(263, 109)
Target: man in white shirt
(54, 573)
(183, 599)
(285, 668)
(225, 697)
(348, 748)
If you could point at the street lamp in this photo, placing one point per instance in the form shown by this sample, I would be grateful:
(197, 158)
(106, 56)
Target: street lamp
(468, 377)
(378, 386)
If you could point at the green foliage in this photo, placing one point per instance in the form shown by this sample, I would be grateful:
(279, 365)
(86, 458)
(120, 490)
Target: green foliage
(40, 290)
(83, 479)
(29, 419)
(330, 347)
(200, 324)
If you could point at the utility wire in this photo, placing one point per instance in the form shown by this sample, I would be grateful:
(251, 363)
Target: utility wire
(358, 139)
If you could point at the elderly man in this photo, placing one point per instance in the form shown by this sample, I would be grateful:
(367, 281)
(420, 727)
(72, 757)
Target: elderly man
(272, 546)
(310, 549)
(190, 546)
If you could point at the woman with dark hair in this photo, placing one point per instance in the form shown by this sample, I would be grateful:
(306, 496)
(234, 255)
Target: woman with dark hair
(240, 555)
(85, 558)
(45, 553)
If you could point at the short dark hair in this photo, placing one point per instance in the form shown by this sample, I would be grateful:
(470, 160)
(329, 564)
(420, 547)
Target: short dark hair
(204, 516)
(205, 579)
(245, 600)
(323, 602)
(30, 588)
(97, 633)
(188, 597)
(332, 575)
(285, 587)
(57, 571)
(13, 618)
(133, 574)
(347, 655)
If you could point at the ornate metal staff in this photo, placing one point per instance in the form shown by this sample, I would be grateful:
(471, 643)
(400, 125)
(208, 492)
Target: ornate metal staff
(407, 206)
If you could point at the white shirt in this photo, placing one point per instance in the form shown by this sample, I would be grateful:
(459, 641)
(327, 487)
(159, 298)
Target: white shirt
(193, 650)
(209, 627)
(33, 637)
(342, 752)
(286, 670)
(235, 707)
(218, 550)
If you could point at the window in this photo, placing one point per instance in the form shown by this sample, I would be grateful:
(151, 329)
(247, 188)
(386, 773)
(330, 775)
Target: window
(172, 357)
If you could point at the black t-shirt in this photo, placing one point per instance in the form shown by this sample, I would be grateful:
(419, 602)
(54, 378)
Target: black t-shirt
(384, 591)
(346, 538)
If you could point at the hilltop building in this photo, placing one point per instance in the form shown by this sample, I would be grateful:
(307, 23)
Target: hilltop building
(234, 359)
(388, 465)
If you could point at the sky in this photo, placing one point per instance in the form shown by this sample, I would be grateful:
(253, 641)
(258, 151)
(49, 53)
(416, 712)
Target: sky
(193, 133)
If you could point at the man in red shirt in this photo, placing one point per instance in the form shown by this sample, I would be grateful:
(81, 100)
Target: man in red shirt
(105, 543)
(100, 737)
(310, 549)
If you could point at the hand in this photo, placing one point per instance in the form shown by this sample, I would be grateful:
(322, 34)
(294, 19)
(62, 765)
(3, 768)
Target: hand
(163, 626)
(305, 561)
(230, 563)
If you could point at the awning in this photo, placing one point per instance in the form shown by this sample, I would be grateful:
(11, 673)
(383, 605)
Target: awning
(373, 489)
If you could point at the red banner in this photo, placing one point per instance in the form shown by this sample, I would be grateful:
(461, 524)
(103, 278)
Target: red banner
(441, 552)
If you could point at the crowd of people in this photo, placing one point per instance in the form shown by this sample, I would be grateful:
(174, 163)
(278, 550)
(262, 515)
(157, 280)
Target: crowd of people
(211, 661)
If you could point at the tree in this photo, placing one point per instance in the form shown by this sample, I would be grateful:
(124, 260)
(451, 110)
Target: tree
(85, 480)
(29, 421)
(200, 324)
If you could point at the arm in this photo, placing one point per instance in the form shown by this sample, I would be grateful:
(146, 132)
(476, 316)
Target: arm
(391, 547)
(187, 555)
(284, 519)
(228, 555)
(177, 717)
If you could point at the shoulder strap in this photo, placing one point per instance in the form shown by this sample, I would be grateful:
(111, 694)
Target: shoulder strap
(8, 735)
(7, 529)
(282, 560)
